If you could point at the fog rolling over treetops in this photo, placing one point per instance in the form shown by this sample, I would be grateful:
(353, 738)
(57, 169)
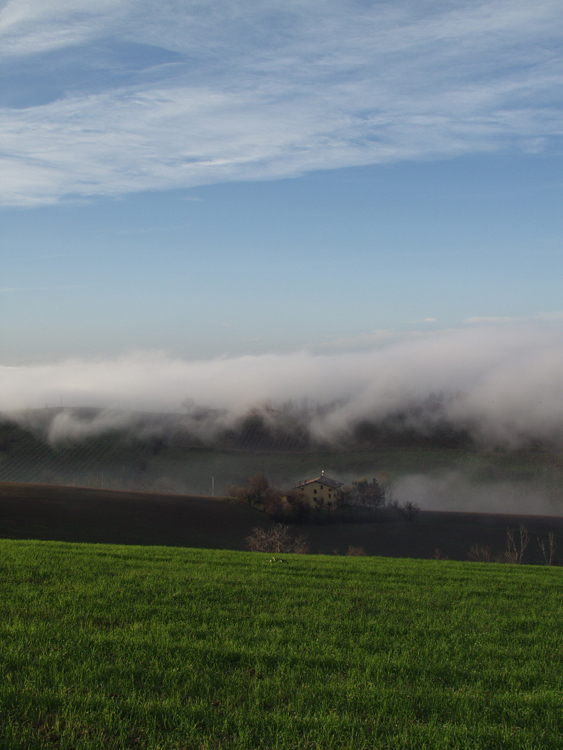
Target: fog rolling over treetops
(485, 385)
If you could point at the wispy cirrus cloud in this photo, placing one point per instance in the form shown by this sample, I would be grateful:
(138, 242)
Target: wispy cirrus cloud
(28, 27)
(212, 92)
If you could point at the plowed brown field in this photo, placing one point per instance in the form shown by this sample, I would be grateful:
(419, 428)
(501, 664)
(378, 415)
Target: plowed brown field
(74, 514)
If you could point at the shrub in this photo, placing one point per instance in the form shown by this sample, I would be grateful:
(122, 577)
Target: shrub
(479, 553)
(278, 538)
(356, 551)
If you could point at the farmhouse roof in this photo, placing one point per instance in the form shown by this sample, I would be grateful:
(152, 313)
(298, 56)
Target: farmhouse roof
(327, 481)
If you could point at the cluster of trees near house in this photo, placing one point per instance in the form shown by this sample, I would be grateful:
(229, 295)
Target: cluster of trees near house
(363, 499)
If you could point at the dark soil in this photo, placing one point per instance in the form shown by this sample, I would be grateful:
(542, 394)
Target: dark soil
(35, 511)
(77, 514)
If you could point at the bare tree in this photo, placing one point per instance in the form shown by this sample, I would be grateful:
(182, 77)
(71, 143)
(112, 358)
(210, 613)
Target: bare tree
(410, 510)
(523, 541)
(510, 553)
(548, 548)
(515, 545)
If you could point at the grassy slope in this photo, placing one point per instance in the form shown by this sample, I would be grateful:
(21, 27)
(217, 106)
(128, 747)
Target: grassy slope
(157, 648)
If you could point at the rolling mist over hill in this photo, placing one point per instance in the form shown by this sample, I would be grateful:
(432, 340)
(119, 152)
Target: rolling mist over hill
(486, 385)
(288, 427)
(439, 467)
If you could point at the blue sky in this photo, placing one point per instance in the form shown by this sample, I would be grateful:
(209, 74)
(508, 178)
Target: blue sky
(329, 260)
(230, 178)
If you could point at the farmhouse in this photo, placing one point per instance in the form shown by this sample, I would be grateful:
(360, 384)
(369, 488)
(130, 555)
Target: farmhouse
(320, 492)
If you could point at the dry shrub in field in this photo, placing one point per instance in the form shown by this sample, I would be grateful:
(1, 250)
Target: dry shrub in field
(356, 551)
(439, 555)
(479, 553)
(277, 538)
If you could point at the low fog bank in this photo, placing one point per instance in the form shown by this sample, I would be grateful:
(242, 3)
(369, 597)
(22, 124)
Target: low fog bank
(485, 385)
(455, 491)
(288, 427)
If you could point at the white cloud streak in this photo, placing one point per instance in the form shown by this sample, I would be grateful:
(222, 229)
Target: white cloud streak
(504, 383)
(553, 316)
(29, 27)
(271, 89)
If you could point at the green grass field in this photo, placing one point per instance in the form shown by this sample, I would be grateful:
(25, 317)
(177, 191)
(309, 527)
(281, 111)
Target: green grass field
(130, 647)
